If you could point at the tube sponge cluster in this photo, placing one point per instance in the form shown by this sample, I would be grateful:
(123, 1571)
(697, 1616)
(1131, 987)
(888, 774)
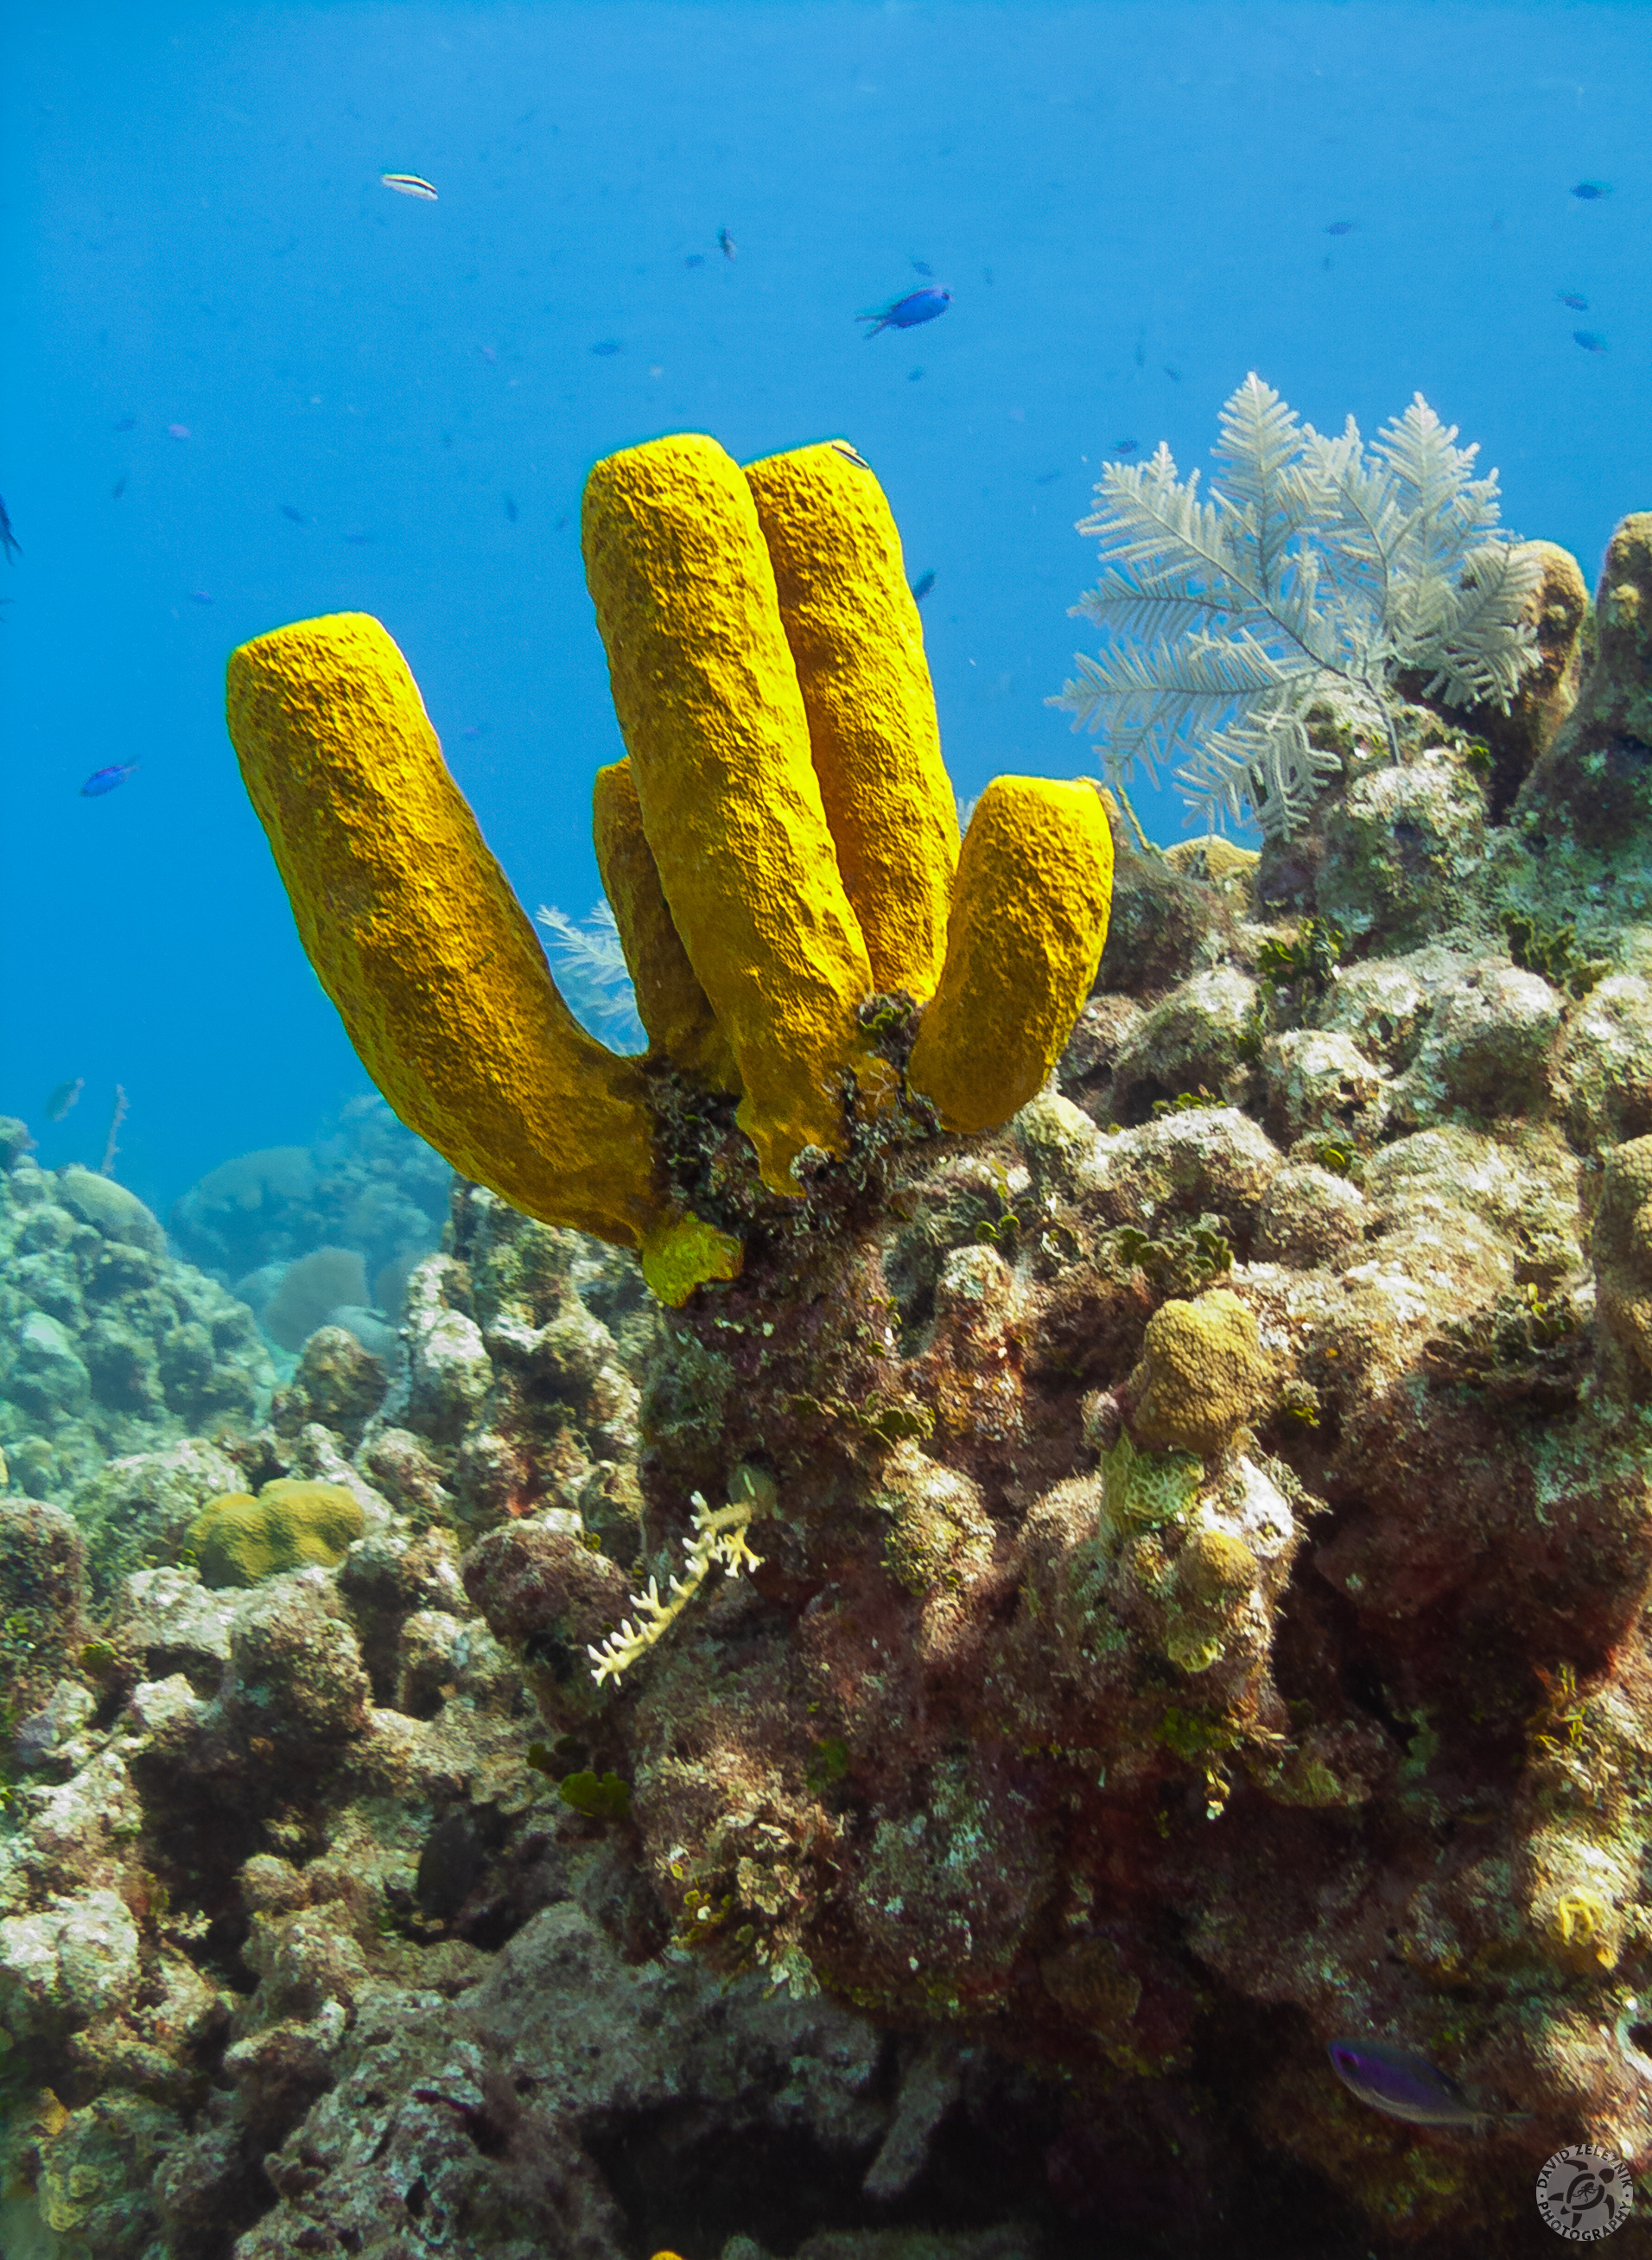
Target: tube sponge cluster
(779, 844)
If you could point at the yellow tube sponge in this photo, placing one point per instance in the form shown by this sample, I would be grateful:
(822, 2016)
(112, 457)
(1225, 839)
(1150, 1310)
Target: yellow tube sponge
(1029, 917)
(670, 1002)
(415, 934)
(858, 649)
(708, 703)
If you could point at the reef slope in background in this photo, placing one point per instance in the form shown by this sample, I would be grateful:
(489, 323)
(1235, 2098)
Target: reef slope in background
(1204, 1542)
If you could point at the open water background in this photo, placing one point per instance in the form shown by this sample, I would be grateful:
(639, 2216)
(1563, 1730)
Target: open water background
(1130, 204)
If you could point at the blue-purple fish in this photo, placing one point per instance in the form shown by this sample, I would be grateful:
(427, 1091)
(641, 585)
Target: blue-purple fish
(922, 586)
(1341, 228)
(8, 541)
(1590, 340)
(102, 781)
(904, 313)
(1574, 299)
(1403, 2084)
(1592, 191)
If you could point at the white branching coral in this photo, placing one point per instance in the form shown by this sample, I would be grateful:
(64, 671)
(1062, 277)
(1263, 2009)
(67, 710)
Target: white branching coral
(591, 965)
(1316, 568)
(720, 1538)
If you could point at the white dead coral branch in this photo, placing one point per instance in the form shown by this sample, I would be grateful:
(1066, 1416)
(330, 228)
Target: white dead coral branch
(720, 1538)
(1315, 568)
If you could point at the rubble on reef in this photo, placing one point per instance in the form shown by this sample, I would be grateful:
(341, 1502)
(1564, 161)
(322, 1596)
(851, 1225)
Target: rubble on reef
(1202, 1542)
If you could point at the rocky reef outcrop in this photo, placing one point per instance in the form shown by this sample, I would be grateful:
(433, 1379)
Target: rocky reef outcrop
(1156, 1587)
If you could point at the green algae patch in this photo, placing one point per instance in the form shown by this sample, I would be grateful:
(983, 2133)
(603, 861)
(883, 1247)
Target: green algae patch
(239, 1539)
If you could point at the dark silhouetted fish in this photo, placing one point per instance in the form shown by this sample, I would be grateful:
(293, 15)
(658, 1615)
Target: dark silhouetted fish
(922, 586)
(922, 267)
(1126, 446)
(1045, 478)
(1175, 374)
(1592, 191)
(118, 488)
(9, 541)
(1574, 299)
(727, 244)
(1590, 340)
(606, 346)
(102, 780)
(904, 313)
(297, 516)
(1341, 228)
(1404, 2084)
(63, 1097)
(510, 510)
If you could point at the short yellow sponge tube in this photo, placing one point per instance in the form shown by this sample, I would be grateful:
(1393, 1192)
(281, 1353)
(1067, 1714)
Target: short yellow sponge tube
(415, 934)
(670, 1003)
(1029, 917)
(708, 703)
(858, 647)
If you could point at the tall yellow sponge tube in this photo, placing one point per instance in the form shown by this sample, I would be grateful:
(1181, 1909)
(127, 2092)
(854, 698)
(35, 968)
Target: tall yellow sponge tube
(1029, 917)
(670, 1003)
(708, 703)
(858, 647)
(433, 966)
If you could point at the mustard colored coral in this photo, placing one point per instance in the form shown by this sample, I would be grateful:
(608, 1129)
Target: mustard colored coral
(416, 936)
(241, 1540)
(710, 709)
(1029, 918)
(1204, 1375)
(858, 647)
(778, 847)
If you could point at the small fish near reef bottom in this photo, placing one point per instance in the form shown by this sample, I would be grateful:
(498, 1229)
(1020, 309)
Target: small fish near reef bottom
(102, 780)
(1405, 2086)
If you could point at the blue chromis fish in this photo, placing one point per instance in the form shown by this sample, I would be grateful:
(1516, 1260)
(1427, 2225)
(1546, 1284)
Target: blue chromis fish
(1404, 2084)
(1592, 191)
(63, 1097)
(904, 313)
(1574, 299)
(922, 586)
(1590, 340)
(409, 184)
(727, 244)
(102, 780)
(9, 541)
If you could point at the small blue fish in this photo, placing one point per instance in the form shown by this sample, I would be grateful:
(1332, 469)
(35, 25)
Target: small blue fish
(604, 347)
(695, 258)
(509, 509)
(8, 541)
(102, 781)
(297, 516)
(1590, 340)
(1403, 2084)
(200, 595)
(727, 244)
(922, 586)
(118, 488)
(904, 313)
(922, 267)
(1574, 299)
(1592, 191)
(1126, 447)
(63, 1097)
(1342, 228)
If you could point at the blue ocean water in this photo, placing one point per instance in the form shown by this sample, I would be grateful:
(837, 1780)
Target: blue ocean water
(245, 384)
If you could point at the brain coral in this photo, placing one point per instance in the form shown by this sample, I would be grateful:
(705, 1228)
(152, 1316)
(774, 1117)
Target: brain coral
(1203, 1376)
(240, 1540)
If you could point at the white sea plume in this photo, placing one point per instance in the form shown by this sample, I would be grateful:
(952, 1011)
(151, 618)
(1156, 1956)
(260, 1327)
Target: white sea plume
(590, 964)
(1310, 567)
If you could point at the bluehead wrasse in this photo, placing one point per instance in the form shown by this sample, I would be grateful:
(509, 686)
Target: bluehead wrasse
(409, 184)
